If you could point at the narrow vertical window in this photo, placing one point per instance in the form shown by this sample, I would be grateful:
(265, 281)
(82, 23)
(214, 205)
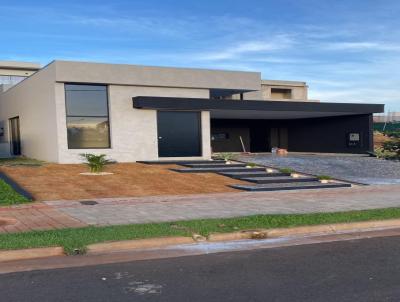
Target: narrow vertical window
(87, 116)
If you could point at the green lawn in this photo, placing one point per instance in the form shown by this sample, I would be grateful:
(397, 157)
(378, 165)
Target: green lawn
(20, 161)
(72, 239)
(8, 196)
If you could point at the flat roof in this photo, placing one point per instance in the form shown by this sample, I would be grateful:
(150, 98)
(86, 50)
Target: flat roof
(235, 109)
(283, 83)
(125, 74)
(19, 65)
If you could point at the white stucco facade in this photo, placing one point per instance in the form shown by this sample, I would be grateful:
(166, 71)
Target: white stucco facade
(39, 102)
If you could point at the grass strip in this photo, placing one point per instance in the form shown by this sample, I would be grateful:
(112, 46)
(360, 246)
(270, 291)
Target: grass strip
(72, 239)
(21, 161)
(8, 196)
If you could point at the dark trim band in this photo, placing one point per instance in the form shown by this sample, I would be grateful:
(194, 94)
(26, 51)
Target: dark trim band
(168, 103)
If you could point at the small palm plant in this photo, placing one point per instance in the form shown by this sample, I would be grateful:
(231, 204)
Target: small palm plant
(96, 163)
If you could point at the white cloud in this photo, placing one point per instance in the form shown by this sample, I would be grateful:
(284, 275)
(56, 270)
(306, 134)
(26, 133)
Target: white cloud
(243, 49)
(359, 46)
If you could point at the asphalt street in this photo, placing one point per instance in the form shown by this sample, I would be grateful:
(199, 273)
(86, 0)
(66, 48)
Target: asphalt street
(356, 270)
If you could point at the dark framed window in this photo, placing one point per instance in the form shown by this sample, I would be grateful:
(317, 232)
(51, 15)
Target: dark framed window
(281, 93)
(87, 116)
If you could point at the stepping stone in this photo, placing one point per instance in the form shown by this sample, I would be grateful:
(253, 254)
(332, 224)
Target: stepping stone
(217, 170)
(213, 165)
(240, 175)
(289, 186)
(279, 179)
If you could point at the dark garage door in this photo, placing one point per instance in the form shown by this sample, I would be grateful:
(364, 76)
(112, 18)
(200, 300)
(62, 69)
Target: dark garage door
(179, 134)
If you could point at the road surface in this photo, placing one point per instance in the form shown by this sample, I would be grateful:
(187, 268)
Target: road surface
(356, 270)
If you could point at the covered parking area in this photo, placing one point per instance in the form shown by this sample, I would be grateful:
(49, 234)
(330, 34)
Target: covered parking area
(257, 126)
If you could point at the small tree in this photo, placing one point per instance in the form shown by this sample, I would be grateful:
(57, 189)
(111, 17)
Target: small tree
(96, 163)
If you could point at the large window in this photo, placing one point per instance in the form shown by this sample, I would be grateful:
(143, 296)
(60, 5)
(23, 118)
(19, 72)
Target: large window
(87, 116)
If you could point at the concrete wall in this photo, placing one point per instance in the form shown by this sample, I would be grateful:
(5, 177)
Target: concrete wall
(82, 72)
(299, 90)
(39, 101)
(13, 68)
(133, 131)
(33, 101)
(14, 72)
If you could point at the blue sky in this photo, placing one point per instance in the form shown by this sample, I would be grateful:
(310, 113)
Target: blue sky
(347, 51)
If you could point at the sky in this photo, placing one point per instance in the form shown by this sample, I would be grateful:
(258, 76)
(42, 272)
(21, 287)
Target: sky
(347, 51)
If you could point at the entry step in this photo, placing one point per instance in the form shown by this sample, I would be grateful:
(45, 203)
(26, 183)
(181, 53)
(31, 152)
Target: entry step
(180, 162)
(279, 179)
(213, 165)
(290, 186)
(241, 175)
(225, 168)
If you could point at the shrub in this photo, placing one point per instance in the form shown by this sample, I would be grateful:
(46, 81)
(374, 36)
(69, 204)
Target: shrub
(324, 177)
(286, 170)
(389, 150)
(96, 163)
(393, 133)
(226, 156)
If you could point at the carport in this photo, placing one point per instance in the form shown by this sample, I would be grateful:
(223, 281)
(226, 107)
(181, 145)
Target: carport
(297, 126)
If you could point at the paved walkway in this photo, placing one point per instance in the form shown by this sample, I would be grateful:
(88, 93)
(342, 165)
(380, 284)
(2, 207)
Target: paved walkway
(172, 208)
(37, 216)
(62, 214)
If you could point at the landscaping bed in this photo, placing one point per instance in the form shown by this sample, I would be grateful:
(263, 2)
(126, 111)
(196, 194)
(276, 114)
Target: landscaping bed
(64, 182)
(73, 240)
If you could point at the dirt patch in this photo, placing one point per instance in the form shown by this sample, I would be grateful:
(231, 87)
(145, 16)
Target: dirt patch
(55, 182)
(379, 139)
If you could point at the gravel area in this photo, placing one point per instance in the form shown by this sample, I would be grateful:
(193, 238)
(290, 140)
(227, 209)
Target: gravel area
(355, 168)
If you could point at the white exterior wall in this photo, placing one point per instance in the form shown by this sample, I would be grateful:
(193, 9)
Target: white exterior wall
(39, 101)
(133, 131)
(33, 101)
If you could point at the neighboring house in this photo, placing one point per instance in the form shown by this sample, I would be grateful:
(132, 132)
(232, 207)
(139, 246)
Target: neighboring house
(11, 73)
(134, 113)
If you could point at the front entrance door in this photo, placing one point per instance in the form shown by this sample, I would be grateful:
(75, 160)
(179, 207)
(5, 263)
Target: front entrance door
(179, 134)
(15, 136)
(279, 138)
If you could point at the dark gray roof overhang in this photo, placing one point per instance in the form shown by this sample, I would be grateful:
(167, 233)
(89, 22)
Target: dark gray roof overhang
(256, 109)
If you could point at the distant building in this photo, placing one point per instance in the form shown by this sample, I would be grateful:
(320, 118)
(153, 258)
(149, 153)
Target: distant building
(11, 73)
(387, 118)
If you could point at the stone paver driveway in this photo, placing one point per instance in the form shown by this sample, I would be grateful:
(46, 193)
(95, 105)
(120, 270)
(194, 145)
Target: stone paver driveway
(35, 217)
(355, 168)
(71, 214)
(172, 208)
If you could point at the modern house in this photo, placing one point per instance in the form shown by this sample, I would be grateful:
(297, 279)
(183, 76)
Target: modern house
(136, 113)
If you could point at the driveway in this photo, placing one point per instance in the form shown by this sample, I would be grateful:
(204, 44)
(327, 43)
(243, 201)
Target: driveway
(355, 168)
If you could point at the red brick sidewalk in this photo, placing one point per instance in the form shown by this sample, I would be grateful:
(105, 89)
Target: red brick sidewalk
(36, 216)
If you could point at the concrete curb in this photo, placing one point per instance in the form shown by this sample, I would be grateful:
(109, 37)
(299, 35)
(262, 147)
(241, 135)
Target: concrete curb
(306, 230)
(121, 246)
(35, 253)
(118, 246)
